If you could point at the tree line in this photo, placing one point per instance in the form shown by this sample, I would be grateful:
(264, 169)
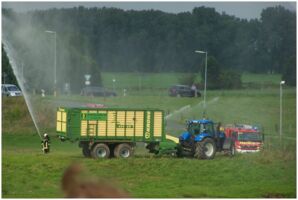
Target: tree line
(92, 40)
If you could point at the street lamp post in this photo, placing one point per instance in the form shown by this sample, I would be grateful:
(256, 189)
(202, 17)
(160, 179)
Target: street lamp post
(280, 109)
(205, 85)
(55, 60)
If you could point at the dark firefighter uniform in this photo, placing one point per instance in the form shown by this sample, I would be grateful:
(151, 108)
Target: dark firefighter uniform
(45, 143)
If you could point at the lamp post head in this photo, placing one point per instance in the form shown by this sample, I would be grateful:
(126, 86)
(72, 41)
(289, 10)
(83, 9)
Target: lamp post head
(197, 51)
(282, 82)
(47, 31)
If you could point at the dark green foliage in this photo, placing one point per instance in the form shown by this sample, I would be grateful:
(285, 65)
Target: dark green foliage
(289, 72)
(7, 72)
(277, 37)
(213, 74)
(91, 40)
(230, 79)
(219, 78)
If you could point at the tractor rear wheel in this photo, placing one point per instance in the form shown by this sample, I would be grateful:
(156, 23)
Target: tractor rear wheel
(205, 149)
(123, 150)
(100, 150)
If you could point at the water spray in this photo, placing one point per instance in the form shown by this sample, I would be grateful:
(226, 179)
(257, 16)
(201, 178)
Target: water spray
(20, 79)
(183, 109)
(187, 107)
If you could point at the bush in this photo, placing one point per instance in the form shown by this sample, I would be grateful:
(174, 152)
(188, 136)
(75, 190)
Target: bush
(289, 71)
(230, 80)
(219, 78)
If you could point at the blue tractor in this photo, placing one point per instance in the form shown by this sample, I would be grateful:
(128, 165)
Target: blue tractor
(202, 140)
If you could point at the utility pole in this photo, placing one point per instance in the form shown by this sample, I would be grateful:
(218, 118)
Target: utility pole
(280, 109)
(205, 85)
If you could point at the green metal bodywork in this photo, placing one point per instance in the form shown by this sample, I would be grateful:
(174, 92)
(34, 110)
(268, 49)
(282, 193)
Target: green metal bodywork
(73, 128)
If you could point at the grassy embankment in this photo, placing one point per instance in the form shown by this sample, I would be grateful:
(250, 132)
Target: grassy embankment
(272, 173)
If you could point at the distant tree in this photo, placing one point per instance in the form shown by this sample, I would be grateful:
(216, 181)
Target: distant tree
(7, 72)
(219, 78)
(94, 70)
(213, 73)
(277, 36)
(109, 39)
(289, 71)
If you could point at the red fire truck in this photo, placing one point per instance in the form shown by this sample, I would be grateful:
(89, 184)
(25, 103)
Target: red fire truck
(246, 138)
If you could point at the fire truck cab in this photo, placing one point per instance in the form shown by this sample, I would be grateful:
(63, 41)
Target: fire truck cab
(246, 138)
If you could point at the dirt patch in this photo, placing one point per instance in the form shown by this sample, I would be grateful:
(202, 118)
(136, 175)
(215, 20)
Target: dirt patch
(274, 195)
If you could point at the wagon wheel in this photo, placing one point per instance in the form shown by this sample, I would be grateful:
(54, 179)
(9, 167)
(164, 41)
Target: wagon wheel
(100, 151)
(123, 151)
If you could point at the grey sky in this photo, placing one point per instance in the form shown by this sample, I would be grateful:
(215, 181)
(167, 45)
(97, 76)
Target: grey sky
(246, 10)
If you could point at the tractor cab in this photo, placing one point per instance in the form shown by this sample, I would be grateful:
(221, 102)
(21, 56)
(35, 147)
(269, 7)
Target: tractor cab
(197, 127)
(202, 140)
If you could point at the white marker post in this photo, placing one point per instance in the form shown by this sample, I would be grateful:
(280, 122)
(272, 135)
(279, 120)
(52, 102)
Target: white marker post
(87, 79)
(114, 82)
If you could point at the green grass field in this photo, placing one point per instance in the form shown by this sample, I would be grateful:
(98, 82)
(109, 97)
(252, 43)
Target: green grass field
(26, 172)
(165, 80)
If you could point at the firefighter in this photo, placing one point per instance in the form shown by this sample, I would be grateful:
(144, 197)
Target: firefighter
(45, 143)
(221, 134)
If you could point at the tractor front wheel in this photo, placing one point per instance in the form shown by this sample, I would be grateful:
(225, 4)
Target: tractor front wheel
(205, 149)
